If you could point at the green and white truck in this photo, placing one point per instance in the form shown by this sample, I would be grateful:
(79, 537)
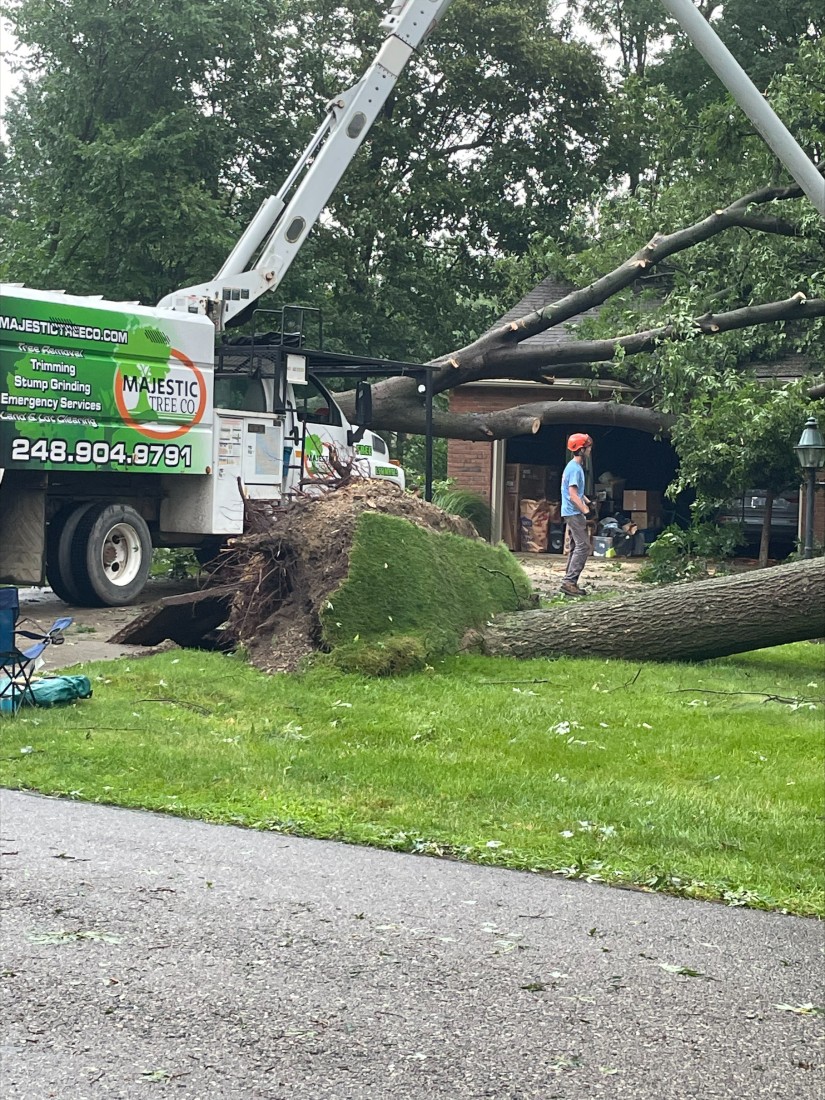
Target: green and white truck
(116, 435)
(119, 428)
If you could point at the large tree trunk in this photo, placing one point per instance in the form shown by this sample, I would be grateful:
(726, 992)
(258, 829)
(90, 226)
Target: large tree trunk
(683, 622)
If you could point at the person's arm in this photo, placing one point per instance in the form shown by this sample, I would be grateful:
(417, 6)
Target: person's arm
(581, 502)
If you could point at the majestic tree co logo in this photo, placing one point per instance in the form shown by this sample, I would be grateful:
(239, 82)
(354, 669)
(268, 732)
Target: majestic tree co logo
(162, 403)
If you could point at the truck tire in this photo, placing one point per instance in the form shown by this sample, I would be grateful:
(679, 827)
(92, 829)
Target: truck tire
(111, 555)
(59, 538)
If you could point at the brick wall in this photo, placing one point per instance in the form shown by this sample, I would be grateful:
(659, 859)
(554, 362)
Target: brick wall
(471, 464)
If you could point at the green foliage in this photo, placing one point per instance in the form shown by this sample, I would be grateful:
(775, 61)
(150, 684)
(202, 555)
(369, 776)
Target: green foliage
(465, 503)
(736, 437)
(174, 562)
(120, 156)
(689, 554)
(404, 580)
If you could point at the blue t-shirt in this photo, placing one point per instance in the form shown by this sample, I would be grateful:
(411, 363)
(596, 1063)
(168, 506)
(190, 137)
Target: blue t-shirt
(573, 475)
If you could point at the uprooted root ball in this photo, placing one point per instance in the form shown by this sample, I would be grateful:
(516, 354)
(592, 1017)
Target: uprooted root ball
(293, 556)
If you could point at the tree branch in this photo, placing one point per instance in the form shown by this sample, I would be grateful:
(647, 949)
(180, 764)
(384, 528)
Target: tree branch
(524, 362)
(405, 413)
(659, 248)
(768, 225)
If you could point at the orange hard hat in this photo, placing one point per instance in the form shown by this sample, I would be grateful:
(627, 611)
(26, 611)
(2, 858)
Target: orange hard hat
(578, 441)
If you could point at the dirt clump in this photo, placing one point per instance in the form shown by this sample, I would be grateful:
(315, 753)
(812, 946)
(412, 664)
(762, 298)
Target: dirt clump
(294, 555)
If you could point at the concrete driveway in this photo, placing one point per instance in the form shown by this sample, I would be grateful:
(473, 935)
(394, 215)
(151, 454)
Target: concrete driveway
(87, 639)
(149, 956)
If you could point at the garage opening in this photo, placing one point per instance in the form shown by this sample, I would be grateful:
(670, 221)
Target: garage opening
(626, 477)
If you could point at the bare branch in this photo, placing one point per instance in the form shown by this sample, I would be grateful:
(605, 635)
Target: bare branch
(408, 416)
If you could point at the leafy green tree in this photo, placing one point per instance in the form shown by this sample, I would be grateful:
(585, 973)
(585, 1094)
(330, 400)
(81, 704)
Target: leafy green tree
(145, 136)
(119, 144)
(737, 437)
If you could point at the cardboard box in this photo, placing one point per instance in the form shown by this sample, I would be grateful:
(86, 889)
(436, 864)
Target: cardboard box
(532, 481)
(647, 521)
(534, 524)
(642, 500)
(527, 481)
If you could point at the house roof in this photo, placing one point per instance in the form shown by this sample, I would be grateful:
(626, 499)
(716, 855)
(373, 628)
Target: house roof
(790, 368)
(548, 290)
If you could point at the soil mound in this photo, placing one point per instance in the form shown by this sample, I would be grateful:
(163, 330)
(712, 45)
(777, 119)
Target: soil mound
(294, 555)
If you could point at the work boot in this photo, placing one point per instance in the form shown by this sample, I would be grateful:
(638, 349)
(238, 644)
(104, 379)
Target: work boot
(568, 588)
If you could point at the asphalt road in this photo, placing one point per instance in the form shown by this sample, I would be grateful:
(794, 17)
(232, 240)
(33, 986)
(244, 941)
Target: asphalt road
(149, 956)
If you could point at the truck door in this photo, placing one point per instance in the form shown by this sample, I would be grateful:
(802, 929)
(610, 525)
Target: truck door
(321, 435)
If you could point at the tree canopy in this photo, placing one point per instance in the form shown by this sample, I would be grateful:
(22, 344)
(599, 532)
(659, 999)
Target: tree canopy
(143, 138)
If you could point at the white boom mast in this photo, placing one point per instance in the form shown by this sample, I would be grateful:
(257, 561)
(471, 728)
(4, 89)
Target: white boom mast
(284, 220)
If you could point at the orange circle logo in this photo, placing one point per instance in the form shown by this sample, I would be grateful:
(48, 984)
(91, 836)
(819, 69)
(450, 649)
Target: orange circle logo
(127, 386)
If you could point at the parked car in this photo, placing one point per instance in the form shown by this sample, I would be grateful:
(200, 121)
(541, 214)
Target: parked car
(749, 510)
(374, 460)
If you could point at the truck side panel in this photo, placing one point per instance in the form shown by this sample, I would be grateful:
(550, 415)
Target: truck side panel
(22, 534)
(89, 386)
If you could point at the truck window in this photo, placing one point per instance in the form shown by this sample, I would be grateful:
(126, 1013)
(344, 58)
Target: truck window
(315, 405)
(240, 392)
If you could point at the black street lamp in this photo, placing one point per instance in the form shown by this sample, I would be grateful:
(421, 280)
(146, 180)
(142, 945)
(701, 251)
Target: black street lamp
(810, 450)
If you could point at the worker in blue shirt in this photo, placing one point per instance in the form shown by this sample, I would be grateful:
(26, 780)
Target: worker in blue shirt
(575, 507)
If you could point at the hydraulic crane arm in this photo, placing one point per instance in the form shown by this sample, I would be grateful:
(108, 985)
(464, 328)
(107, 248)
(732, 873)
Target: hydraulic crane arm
(283, 221)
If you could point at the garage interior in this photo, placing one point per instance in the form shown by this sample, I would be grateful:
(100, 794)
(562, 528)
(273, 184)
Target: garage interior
(623, 461)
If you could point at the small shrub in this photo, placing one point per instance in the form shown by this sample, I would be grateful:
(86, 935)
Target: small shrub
(174, 562)
(464, 503)
(683, 554)
(393, 656)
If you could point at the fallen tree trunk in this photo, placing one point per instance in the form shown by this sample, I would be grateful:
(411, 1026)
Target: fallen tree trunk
(685, 622)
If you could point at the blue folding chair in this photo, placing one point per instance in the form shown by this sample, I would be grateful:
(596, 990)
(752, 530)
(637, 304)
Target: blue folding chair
(17, 666)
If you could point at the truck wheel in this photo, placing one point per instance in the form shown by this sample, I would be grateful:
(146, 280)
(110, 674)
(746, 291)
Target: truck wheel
(59, 538)
(111, 555)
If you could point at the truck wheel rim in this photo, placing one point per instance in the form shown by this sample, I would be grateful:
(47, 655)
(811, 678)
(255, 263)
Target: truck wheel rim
(121, 555)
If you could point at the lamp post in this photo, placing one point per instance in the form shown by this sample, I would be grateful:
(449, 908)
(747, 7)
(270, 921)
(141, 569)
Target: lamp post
(810, 450)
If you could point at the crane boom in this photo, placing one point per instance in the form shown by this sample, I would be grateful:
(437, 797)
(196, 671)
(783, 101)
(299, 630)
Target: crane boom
(284, 220)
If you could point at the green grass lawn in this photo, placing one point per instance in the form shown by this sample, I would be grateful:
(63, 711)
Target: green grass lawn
(675, 777)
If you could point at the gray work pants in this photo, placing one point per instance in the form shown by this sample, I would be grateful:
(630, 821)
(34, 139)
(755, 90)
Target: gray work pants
(579, 547)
